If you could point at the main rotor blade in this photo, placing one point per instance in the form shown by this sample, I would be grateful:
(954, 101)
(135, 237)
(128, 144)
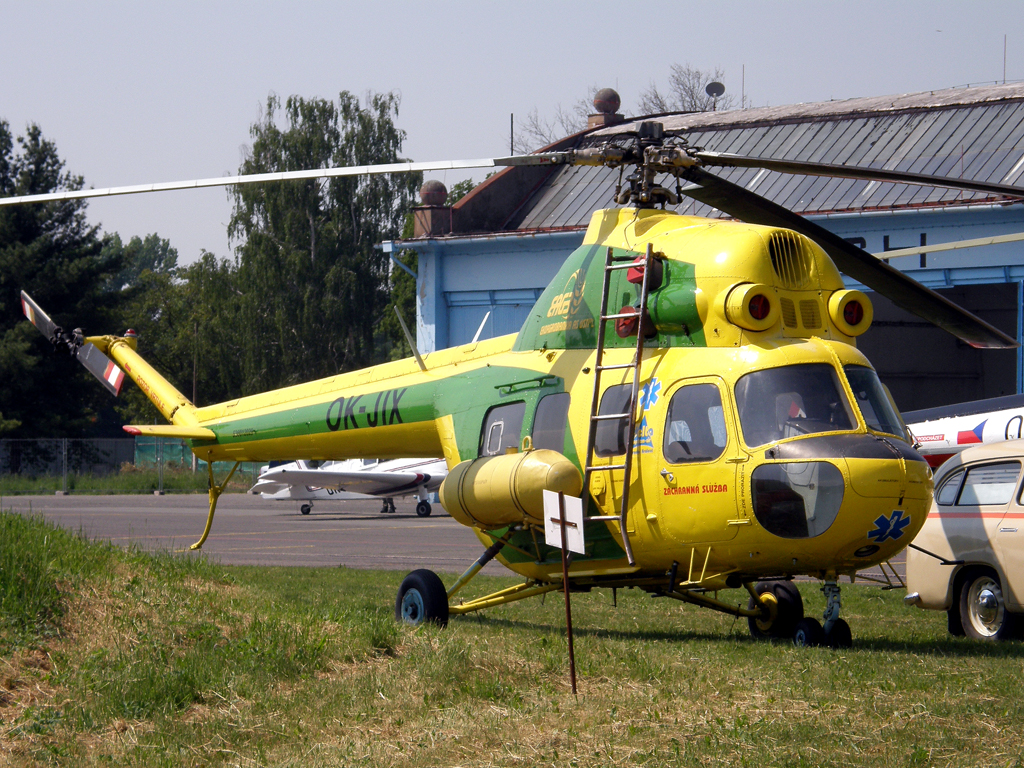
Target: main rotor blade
(726, 160)
(550, 158)
(860, 265)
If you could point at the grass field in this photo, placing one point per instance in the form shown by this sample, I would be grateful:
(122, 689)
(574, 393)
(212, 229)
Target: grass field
(128, 480)
(119, 658)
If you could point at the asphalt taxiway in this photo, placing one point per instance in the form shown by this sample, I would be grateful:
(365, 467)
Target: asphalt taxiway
(248, 530)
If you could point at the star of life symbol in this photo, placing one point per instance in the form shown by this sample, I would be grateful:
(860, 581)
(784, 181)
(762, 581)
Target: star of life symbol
(889, 527)
(645, 433)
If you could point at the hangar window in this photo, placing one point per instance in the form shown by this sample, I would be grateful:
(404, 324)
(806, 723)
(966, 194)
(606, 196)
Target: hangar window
(550, 422)
(611, 433)
(502, 427)
(695, 430)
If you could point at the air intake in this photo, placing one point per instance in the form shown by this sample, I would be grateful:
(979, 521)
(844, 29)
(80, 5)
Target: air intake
(791, 260)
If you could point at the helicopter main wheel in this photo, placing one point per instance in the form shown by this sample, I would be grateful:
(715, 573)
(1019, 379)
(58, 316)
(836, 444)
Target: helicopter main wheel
(782, 610)
(839, 635)
(306, 509)
(423, 509)
(422, 597)
(983, 613)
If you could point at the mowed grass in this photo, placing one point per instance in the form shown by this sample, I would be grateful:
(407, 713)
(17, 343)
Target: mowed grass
(119, 658)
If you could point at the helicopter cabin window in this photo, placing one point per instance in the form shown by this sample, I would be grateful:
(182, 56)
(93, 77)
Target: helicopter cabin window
(611, 433)
(874, 403)
(695, 430)
(791, 401)
(502, 428)
(550, 422)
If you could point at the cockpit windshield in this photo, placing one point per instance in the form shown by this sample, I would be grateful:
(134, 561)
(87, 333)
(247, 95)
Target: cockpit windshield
(793, 400)
(873, 401)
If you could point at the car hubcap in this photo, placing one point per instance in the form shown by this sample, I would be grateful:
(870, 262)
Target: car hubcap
(986, 607)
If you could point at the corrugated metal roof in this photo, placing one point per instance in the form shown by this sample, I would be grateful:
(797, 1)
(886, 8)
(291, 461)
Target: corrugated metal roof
(974, 133)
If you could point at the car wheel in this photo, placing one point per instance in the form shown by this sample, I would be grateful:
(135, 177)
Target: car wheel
(983, 613)
(422, 597)
(784, 609)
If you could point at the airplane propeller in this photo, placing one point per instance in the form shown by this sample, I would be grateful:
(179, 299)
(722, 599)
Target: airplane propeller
(655, 152)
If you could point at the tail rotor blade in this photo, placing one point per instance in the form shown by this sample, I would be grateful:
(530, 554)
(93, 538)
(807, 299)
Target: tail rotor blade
(40, 319)
(102, 367)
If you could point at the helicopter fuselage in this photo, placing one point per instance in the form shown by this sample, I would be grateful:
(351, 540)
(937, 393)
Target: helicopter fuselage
(765, 444)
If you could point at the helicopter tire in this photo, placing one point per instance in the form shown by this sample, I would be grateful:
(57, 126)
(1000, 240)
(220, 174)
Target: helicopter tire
(306, 509)
(785, 610)
(421, 598)
(809, 633)
(839, 635)
(423, 509)
(983, 613)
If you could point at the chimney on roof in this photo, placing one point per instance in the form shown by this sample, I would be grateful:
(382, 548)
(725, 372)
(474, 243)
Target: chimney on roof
(606, 102)
(432, 217)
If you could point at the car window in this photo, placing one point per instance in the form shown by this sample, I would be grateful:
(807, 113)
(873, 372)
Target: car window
(990, 484)
(946, 494)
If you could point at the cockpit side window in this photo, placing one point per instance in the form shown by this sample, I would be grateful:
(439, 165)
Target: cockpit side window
(873, 400)
(793, 400)
(695, 428)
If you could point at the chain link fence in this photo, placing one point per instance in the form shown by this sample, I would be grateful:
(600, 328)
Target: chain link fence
(109, 465)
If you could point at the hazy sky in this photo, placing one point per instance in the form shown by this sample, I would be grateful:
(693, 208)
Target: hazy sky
(145, 92)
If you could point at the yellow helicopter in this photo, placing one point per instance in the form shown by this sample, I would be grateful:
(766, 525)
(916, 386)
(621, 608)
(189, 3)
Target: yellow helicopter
(695, 380)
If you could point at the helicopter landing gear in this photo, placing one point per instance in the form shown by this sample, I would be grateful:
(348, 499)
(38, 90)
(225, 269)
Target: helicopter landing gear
(834, 632)
(781, 606)
(388, 508)
(422, 597)
(306, 509)
(423, 509)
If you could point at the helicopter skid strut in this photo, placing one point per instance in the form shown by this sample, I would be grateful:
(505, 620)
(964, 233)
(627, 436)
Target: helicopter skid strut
(215, 492)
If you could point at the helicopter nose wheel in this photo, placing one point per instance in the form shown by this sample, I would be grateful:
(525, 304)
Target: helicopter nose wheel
(834, 633)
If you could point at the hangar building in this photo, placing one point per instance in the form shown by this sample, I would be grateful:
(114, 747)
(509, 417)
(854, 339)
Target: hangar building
(496, 249)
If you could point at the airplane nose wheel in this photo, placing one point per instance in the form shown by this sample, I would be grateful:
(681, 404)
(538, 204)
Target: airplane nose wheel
(423, 509)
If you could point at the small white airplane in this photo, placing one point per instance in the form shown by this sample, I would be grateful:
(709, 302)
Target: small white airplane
(940, 433)
(310, 481)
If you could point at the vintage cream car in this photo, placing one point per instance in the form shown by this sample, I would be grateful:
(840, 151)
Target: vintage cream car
(968, 559)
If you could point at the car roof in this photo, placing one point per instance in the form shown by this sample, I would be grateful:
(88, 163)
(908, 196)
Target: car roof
(1006, 449)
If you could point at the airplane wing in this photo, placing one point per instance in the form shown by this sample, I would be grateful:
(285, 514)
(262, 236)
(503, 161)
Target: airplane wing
(369, 483)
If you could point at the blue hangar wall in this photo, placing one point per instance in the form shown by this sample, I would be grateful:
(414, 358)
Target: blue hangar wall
(463, 278)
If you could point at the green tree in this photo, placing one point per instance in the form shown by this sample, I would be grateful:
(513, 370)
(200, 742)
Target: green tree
(154, 254)
(315, 288)
(52, 252)
(189, 331)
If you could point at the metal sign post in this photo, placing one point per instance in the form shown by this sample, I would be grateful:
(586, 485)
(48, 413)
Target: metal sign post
(565, 531)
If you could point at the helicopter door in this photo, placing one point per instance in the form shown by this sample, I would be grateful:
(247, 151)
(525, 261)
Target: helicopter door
(695, 475)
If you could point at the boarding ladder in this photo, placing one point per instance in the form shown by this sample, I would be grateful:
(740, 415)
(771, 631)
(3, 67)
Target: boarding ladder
(612, 264)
